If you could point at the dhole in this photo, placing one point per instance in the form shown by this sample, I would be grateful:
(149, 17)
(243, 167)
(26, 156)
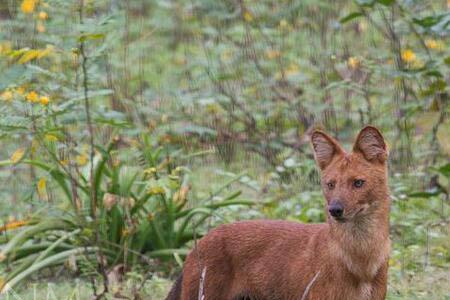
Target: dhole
(345, 258)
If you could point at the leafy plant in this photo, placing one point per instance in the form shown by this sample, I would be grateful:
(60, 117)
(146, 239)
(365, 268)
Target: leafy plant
(145, 212)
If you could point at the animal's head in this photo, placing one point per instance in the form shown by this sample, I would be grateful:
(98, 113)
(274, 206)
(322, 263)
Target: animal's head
(354, 183)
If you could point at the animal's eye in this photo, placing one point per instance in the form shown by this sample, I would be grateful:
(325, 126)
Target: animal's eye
(358, 183)
(330, 185)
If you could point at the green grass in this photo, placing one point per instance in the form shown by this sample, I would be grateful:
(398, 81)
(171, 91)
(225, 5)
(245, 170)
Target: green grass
(429, 284)
(75, 289)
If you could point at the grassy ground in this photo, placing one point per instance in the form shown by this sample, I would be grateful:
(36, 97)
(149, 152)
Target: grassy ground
(154, 289)
(429, 284)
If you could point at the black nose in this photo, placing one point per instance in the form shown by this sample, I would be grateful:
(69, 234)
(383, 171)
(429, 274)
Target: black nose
(336, 209)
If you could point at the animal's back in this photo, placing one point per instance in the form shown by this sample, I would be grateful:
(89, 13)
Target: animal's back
(238, 258)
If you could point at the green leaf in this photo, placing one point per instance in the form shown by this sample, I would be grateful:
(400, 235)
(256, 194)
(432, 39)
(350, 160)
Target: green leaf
(425, 194)
(386, 2)
(447, 60)
(30, 232)
(434, 73)
(90, 36)
(58, 258)
(445, 170)
(168, 252)
(350, 17)
(427, 22)
(47, 251)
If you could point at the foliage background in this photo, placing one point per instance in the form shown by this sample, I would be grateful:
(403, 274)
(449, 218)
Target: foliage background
(129, 119)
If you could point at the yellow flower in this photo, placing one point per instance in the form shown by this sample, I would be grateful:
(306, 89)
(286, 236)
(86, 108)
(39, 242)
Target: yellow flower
(292, 69)
(43, 15)
(28, 6)
(434, 45)
(283, 23)
(32, 96)
(40, 27)
(13, 225)
(82, 159)
(248, 16)
(353, 62)
(17, 155)
(150, 171)
(408, 55)
(271, 54)
(213, 108)
(180, 196)
(44, 100)
(20, 90)
(431, 44)
(51, 138)
(157, 190)
(7, 95)
(5, 47)
(41, 187)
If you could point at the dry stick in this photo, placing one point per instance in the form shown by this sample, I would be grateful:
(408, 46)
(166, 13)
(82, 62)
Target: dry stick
(434, 133)
(198, 258)
(309, 286)
(126, 37)
(427, 250)
(100, 258)
(147, 275)
(201, 296)
(88, 116)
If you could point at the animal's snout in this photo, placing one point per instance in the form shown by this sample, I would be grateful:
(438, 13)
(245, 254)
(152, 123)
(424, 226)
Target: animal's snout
(336, 209)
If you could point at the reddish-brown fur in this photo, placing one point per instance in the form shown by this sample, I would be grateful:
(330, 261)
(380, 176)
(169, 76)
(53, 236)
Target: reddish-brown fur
(344, 258)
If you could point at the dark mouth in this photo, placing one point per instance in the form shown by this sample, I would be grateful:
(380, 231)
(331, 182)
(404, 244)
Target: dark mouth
(339, 219)
(359, 211)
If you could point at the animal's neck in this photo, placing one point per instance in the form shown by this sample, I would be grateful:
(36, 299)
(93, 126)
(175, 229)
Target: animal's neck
(362, 246)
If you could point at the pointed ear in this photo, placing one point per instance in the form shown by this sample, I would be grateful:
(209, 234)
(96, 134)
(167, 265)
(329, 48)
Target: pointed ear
(325, 148)
(370, 143)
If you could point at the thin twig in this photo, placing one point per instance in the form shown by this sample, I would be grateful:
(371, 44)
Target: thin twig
(87, 108)
(309, 286)
(201, 295)
(100, 257)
